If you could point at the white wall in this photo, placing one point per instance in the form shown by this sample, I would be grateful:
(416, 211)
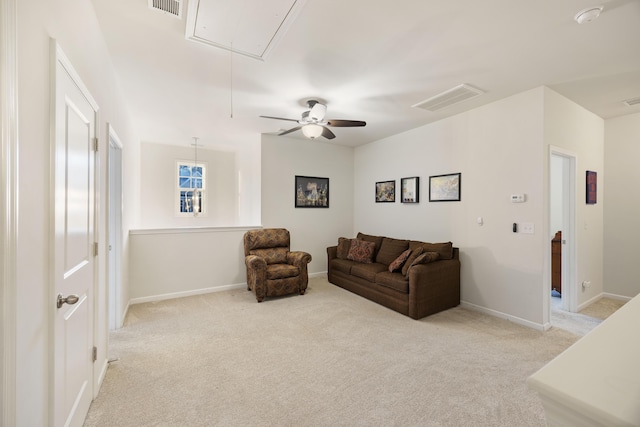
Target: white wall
(172, 263)
(622, 153)
(581, 132)
(74, 25)
(312, 229)
(158, 187)
(499, 150)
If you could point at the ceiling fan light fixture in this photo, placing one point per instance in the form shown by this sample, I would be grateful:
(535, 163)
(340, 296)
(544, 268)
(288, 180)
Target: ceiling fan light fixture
(312, 131)
(588, 14)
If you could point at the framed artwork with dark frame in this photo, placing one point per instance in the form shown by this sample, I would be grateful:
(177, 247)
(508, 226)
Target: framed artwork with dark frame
(410, 190)
(445, 188)
(592, 187)
(311, 192)
(386, 191)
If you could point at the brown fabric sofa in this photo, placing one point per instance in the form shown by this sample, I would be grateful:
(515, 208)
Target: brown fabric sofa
(424, 285)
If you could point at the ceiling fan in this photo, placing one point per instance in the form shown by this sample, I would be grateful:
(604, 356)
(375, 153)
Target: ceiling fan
(313, 123)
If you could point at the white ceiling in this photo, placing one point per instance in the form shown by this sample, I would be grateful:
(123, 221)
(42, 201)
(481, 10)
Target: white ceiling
(368, 60)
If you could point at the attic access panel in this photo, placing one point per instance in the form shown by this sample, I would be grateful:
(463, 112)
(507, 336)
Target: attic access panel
(250, 27)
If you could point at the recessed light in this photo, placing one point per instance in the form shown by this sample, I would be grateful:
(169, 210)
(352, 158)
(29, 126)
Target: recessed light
(588, 14)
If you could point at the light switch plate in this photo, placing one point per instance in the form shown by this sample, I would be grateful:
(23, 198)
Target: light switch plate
(526, 228)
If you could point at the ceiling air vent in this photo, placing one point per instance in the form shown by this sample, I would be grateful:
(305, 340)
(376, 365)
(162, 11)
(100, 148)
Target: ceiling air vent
(450, 97)
(171, 7)
(631, 102)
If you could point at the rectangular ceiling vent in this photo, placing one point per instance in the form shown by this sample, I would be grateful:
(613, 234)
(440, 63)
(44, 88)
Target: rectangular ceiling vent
(631, 102)
(449, 97)
(171, 7)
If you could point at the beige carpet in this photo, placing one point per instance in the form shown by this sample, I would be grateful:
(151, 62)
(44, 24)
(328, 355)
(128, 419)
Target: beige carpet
(587, 319)
(323, 359)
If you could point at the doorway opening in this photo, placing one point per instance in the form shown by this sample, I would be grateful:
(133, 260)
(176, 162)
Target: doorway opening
(562, 293)
(115, 230)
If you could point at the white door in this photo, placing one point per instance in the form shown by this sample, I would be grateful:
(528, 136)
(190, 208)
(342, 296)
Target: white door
(73, 246)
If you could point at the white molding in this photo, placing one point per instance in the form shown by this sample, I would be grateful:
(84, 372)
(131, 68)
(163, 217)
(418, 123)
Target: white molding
(8, 207)
(616, 297)
(589, 302)
(173, 295)
(501, 315)
(183, 230)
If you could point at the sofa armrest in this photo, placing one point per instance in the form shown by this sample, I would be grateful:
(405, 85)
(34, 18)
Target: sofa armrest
(433, 287)
(332, 252)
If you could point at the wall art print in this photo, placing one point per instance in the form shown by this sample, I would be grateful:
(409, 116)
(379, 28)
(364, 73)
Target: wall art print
(445, 188)
(385, 191)
(592, 187)
(311, 192)
(410, 190)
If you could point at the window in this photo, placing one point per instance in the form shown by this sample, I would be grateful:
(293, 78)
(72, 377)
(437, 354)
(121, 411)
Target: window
(191, 179)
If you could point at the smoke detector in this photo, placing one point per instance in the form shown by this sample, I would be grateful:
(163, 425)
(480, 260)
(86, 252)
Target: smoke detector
(588, 14)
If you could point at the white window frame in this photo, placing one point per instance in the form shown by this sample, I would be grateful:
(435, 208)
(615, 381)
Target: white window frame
(203, 191)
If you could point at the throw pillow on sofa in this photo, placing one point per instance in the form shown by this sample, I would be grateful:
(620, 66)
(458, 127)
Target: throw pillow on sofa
(397, 263)
(361, 251)
(415, 253)
(344, 245)
(425, 258)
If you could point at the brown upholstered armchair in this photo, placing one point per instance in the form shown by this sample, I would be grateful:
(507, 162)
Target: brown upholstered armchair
(272, 269)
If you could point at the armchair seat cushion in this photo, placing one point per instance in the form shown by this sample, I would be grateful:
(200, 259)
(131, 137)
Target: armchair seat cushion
(281, 271)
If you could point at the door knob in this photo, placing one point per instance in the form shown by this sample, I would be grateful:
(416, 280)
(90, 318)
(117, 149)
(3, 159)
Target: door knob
(69, 299)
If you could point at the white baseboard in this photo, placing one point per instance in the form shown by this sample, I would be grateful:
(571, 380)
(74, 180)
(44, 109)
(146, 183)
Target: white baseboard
(589, 302)
(124, 315)
(103, 372)
(616, 297)
(173, 295)
(501, 315)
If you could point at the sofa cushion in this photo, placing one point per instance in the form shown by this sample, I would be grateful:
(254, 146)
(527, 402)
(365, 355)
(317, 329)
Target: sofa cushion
(367, 271)
(281, 271)
(343, 265)
(343, 247)
(375, 239)
(272, 255)
(390, 249)
(445, 250)
(415, 253)
(394, 281)
(397, 263)
(361, 251)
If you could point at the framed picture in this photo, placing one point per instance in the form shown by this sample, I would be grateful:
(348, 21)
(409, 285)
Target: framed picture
(592, 187)
(311, 192)
(385, 191)
(410, 188)
(445, 188)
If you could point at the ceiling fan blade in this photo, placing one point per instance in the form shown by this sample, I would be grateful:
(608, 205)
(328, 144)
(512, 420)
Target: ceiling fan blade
(327, 133)
(278, 118)
(290, 130)
(345, 123)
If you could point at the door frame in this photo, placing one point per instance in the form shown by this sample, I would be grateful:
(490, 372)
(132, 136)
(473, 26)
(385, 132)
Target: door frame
(115, 294)
(8, 207)
(57, 55)
(569, 235)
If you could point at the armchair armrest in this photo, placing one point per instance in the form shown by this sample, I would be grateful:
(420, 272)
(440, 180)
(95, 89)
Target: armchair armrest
(298, 258)
(256, 275)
